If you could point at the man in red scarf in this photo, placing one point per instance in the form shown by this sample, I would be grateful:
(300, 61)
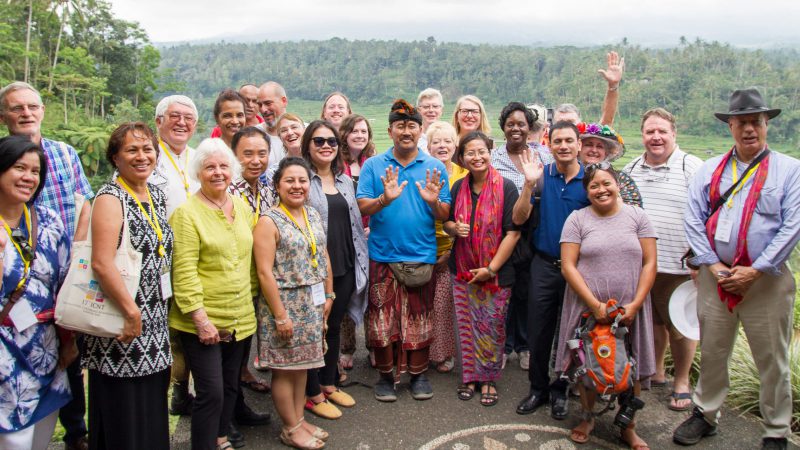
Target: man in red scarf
(742, 222)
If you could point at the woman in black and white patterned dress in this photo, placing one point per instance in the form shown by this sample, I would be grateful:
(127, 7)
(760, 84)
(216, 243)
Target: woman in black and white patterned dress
(129, 374)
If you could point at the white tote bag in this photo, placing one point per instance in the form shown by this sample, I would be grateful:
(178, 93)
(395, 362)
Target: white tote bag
(81, 305)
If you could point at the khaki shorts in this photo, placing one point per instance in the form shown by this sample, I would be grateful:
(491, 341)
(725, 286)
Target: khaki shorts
(662, 290)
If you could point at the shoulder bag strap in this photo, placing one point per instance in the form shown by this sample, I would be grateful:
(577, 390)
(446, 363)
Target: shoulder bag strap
(724, 197)
(15, 296)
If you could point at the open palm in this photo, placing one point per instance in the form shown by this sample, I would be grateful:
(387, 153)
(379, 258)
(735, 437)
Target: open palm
(433, 186)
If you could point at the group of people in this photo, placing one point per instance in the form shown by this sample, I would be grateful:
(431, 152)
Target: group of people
(289, 235)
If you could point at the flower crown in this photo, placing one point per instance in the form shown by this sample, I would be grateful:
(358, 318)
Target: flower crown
(598, 130)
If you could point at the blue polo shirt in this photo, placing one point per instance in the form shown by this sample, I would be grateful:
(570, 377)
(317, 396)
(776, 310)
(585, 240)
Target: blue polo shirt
(403, 231)
(558, 200)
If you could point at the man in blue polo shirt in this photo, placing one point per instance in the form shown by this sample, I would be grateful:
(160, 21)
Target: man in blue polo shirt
(560, 187)
(402, 240)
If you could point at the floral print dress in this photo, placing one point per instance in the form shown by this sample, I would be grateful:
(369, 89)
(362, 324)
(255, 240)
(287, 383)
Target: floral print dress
(295, 276)
(31, 385)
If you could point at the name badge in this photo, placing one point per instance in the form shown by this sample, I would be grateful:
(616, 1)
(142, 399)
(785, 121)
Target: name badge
(724, 228)
(166, 285)
(22, 315)
(318, 294)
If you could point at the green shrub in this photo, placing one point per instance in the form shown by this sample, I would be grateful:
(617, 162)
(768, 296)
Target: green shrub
(745, 382)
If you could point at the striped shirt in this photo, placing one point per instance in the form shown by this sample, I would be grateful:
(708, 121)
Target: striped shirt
(65, 178)
(664, 190)
(502, 162)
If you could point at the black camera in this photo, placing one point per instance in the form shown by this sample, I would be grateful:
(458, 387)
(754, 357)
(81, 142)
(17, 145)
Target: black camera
(628, 405)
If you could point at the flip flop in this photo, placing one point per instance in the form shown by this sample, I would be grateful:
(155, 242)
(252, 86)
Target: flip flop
(675, 397)
(658, 384)
(465, 392)
(262, 387)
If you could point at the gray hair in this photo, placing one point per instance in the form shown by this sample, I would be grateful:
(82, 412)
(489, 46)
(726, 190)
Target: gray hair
(566, 108)
(429, 93)
(168, 101)
(208, 148)
(16, 86)
(276, 88)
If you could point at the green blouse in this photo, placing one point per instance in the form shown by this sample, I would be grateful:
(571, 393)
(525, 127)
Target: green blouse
(212, 267)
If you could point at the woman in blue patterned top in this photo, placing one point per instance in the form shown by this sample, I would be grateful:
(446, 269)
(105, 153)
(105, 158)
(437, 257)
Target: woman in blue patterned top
(33, 383)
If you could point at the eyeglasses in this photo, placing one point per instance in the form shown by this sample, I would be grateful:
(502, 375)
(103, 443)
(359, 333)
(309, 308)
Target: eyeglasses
(24, 245)
(429, 107)
(469, 112)
(320, 141)
(18, 109)
(483, 152)
(176, 117)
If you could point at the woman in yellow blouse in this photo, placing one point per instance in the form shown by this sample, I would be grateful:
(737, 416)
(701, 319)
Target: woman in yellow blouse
(213, 311)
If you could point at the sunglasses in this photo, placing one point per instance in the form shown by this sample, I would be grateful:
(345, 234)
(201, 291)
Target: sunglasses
(602, 165)
(320, 141)
(226, 336)
(25, 247)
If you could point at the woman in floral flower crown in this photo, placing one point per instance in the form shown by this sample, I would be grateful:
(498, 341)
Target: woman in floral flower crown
(602, 143)
(480, 220)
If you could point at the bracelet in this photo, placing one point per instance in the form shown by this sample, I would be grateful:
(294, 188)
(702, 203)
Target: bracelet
(202, 325)
(613, 89)
(282, 322)
(491, 272)
(380, 200)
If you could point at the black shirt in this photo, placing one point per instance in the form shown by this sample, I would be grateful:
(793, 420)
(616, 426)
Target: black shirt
(340, 235)
(505, 275)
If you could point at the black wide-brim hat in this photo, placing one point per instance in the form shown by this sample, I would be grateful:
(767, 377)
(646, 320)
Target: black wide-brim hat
(746, 101)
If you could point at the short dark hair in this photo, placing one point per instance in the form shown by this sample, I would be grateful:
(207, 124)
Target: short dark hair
(462, 144)
(228, 95)
(305, 145)
(516, 106)
(285, 164)
(119, 134)
(249, 132)
(347, 126)
(592, 169)
(564, 124)
(12, 148)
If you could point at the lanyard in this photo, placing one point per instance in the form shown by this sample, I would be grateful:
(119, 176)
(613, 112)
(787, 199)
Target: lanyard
(258, 205)
(736, 178)
(25, 263)
(309, 237)
(152, 220)
(175, 165)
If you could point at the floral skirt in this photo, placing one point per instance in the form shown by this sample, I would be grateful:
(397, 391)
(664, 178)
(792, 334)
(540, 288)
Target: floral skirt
(304, 350)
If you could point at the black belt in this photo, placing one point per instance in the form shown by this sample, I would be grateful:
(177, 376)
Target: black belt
(549, 259)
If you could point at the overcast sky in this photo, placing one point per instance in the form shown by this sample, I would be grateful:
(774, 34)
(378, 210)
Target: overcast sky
(749, 23)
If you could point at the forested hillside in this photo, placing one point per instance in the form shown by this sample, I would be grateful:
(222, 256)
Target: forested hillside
(692, 79)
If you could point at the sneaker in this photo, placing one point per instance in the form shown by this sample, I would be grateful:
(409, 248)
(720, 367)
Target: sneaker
(693, 429)
(774, 444)
(524, 359)
(384, 390)
(420, 387)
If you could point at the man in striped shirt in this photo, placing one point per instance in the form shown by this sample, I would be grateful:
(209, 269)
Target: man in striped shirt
(662, 174)
(22, 112)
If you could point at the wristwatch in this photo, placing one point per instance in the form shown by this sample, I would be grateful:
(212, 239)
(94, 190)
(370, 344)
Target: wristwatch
(331, 296)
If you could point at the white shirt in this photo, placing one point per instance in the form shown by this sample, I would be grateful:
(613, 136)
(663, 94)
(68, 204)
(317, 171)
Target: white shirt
(664, 190)
(171, 180)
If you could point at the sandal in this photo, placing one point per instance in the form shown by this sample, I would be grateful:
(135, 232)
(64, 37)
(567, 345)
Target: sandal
(445, 366)
(224, 445)
(465, 392)
(675, 397)
(311, 444)
(262, 387)
(580, 435)
(318, 432)
(489, 398)
(638, 445)
(346, 361)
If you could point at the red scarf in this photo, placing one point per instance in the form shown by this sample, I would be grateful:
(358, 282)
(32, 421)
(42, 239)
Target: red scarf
(742, 257)
(478, 249)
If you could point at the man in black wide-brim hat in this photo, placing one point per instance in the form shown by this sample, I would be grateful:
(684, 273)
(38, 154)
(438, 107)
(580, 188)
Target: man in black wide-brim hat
(742, 222)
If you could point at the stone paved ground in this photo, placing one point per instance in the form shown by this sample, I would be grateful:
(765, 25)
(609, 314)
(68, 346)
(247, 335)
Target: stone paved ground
(445, 422)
